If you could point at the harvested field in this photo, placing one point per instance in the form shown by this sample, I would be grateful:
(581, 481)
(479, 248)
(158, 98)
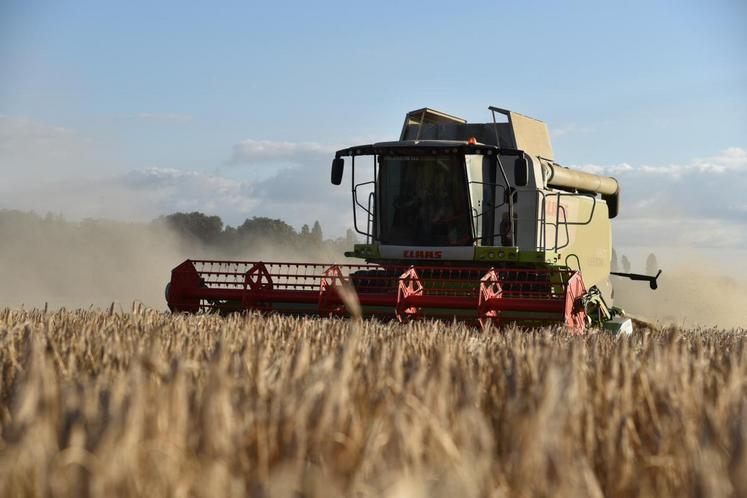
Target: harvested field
(150, 404)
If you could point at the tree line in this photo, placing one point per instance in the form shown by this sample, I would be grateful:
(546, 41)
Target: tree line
(194, 227)
(210, 230)
(255, 232)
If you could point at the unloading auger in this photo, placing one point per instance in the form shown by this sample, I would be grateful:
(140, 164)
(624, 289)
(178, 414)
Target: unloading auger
(467, 221)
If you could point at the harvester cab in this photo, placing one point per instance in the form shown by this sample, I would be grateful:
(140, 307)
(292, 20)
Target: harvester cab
(474, 221)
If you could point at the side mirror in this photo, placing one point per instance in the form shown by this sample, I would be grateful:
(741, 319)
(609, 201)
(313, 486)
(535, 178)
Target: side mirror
(338, 166)
(521, 172)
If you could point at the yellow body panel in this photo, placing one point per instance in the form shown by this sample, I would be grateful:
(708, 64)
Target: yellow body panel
(584, 237)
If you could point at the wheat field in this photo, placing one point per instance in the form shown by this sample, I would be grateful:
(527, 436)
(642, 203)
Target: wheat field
(144, 403)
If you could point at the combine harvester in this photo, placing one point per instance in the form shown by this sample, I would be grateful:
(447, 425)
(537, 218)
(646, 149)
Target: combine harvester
(468, 221)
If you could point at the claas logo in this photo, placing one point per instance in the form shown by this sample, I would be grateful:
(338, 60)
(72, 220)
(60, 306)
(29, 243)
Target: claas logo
(412, 254)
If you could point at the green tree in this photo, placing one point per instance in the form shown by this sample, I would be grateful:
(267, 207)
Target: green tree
(350, 238)
(614, 265)
(195, 225)
(626, 264)
(316, 233)
(652, 266)
(262, 228)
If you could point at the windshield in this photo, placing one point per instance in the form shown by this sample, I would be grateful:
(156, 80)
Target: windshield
(423, 201)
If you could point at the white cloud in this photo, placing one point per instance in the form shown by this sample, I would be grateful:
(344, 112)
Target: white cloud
(162, 117)
(297, 195)
(32, 151)
(698, 203)
(25, 141)
(570, 129)
(614, 169)
(47, 168)
(733, 159)
(138, 195)
(51, 168)
(257, 151)
(188, 191)
(683, 233)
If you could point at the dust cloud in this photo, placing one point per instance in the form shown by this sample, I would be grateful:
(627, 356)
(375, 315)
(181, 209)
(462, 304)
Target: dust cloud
(689, 295)
(48, 261)
(94, 263)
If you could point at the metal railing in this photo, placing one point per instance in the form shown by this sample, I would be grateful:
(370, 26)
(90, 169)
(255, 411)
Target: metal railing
(368, 210)
(560, 220)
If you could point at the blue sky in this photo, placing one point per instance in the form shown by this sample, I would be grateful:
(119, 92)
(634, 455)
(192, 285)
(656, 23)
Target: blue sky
(129, 109)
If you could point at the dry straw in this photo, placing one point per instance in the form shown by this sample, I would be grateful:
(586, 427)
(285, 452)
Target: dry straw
(149, 404)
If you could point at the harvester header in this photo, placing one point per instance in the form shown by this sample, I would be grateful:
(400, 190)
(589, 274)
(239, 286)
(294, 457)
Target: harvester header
(474, 221)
